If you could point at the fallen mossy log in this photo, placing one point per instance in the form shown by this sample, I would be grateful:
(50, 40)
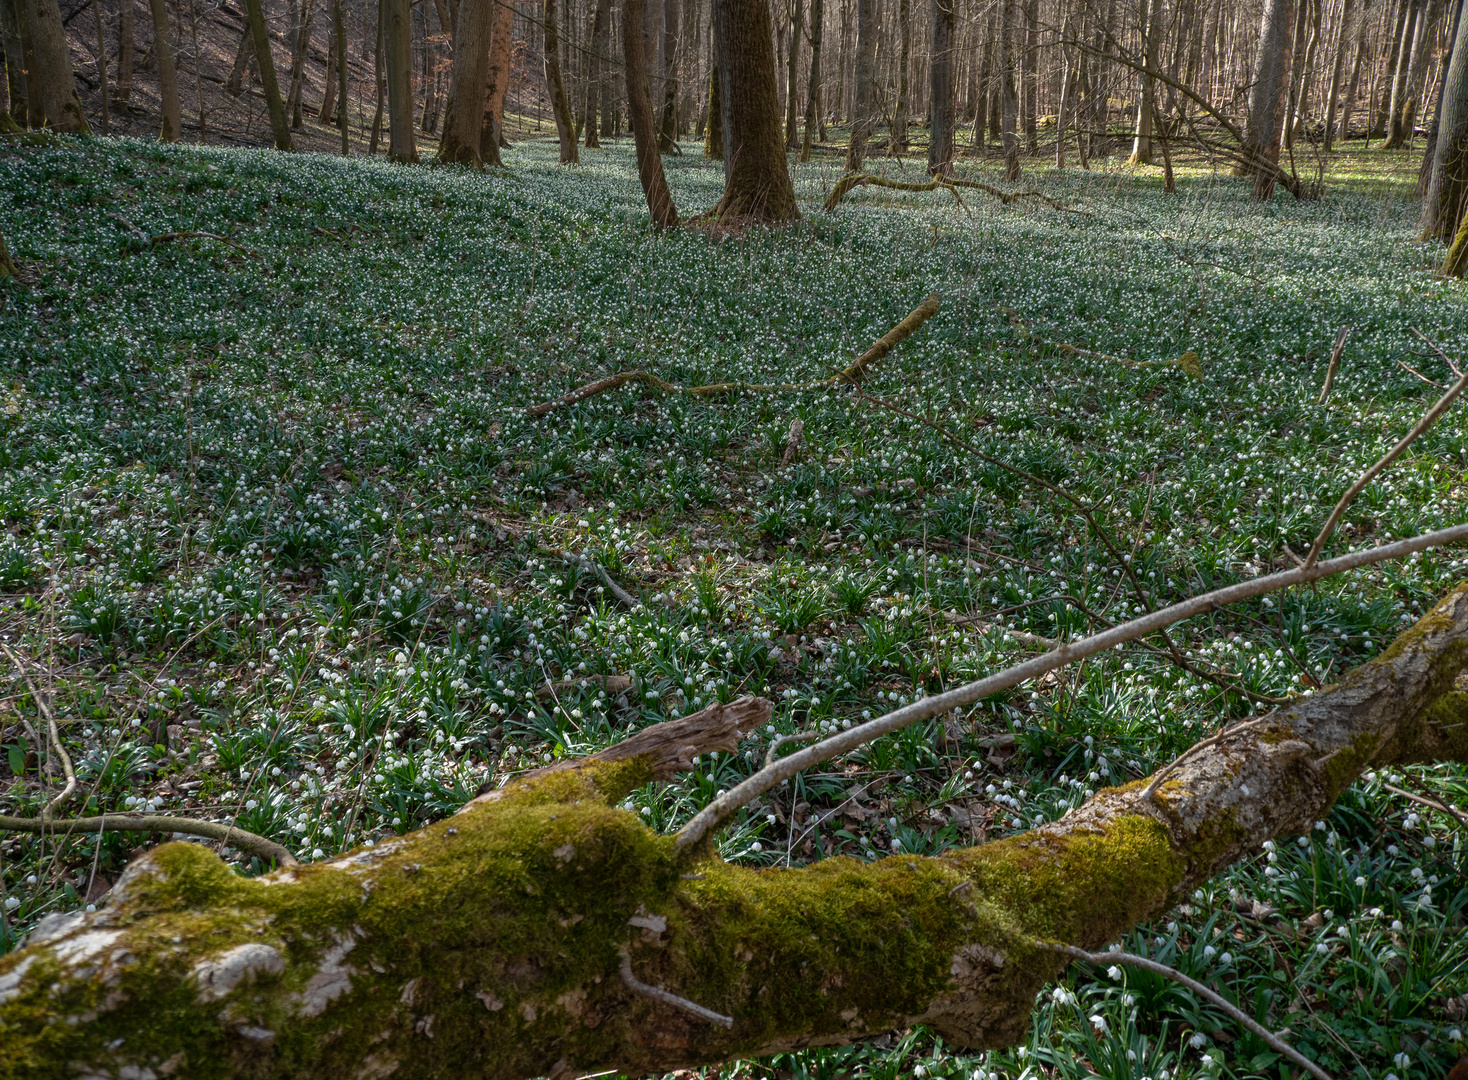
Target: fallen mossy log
(544, 931)
(851, 181)
(852, 374)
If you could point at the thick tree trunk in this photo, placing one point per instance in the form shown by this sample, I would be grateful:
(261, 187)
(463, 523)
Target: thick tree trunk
(1267, 98)
(560, 105)
(757, 185)
(792, 73)
(1429, 145)
(465, 114)
(668, 121)
(941, 119)
(1008, 97)
(255, 13)
(52, 85)
(1147, 110)
(1028, 44)
(501, 43)
(813, 104)
(600, 42)
(166, 52)
(864, 89)
(397, 51)
(16, 68)
(713, 140)
(639, 116)
(520, 937)
(1444, 203)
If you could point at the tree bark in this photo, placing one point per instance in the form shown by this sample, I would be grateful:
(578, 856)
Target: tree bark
(501, 42)
(1429, 146)
(328, 93)
(903, 106)
(301, 44)
(1029, 80)
(461, 142)
(16, 68)
(255, 13)
(397, 49)
(1008, 98)
(1337, 69)
(379, 80)
(639, 115)
(52, 84)
(560, 106)
(1268, 96)
(864, 88)
(792, 73)
(600, 41)
(668, 121)
(125, 46)
(713, 141)
(339, 24)
(519, 938)
(757, 185)
(1147, 110)
(1354, 83)
(941, 119)
(1442, 207)
(813, 102)
(1395, 136)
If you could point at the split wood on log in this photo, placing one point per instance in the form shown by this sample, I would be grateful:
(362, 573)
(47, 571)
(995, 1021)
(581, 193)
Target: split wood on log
(493, 943)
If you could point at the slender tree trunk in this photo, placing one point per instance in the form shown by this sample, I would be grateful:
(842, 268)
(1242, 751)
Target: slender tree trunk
(1009, 99)
(864, 90)
(1309, 40)
(462, 142)
(639, 115)
(713, 141)
(1353, 84)
(668, 121)
(302, 45)
(1151, 30)
(1395, 136)
(1429, 146)
(1425, 45)
(757, 184)
(125, 47)
(1344, 45)
(52, 83)
(102, 70)
(792, 73)
(600, 42)
(1029, 69)
(1391, 55)
(338, 23)
(904, 66)
(234, 85)
(397, 53)
(813, 103)
(379, 79)
(501, 43)
(1267, 98)
(556, 87)
(1446, 200)
(941, 119)
(255, 12)
(328, 93)
(1067, 94)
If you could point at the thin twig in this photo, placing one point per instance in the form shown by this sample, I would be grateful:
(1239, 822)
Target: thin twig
(1335, 362)
(1235, 1013)
(1435, 347)
(228, 834)
(799, 736)
(1431, 804)
(1428, 419)
(657, 993)
(50, 717)
(1068, 653)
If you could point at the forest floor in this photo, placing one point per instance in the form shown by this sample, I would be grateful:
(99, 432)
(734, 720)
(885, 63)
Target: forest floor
(282, 547)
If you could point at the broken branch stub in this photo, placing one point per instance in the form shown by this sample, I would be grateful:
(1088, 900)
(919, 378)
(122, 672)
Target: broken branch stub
(492, 942)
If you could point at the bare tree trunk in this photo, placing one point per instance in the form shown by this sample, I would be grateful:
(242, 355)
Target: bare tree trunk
(519, 907)
(1067, 93)
(1008, 98)
(234, 85)
(941, 117)
(1268, 95)
(813, 103)
(328, 93)
(52, 83)
(864, 90)
(461, 142)
(102, 70)
(1429, 146)
(757, 185)
(1392, 55)
(255, 12)
(397, 51)
(1029, 72)
(1447, 191)
(1395, 136)
(501, 42)
(639, 115)
(1151, 30)
(302, 45)
(560, 105)
(1344, 45)
(713, 141)
(379, 79)
(668, 122)
(600, 42)
(1354, 83)
(16, 68)
(792, 73)
(904, 65)
(125, 46)
(339, 25)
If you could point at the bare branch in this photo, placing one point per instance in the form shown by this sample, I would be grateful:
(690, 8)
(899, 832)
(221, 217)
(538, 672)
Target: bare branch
(657, 993)
(55, 733)
(160, 823)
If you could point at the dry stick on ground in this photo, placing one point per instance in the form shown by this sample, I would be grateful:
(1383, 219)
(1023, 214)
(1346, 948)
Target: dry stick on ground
(1432, 804)
(53, 731)
(1335, 362)
(1239, 1016)
(1428, 419)
(167, 237)
(843, 742)
(853, 373)
(1435, 347)
(850, 181)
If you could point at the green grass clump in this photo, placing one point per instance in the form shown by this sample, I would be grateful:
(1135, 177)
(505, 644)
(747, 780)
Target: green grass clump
(291, 554)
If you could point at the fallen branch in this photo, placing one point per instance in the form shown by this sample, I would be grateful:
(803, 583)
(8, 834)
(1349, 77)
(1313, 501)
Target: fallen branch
(851, 181)
(853, 373)
(169, 237)
(230, 835)
(1335, 363)
(54, 734)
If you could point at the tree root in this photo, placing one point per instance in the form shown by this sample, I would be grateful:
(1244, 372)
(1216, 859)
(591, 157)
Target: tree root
(852, 374)
(851, 181)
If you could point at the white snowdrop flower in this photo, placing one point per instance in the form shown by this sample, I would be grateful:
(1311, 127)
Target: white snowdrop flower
(1402, 1060)
(919, 1070)
(1099, 1023)
(1455, 1035)
(1198, 1040)
(1322, 948)
(757, 846)
(1303, 841)
(11, 903)
(1208, 951)
(1396, 926)
(317, 853)
(1390, 1076)
(1360, 882)
(1113, 972)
